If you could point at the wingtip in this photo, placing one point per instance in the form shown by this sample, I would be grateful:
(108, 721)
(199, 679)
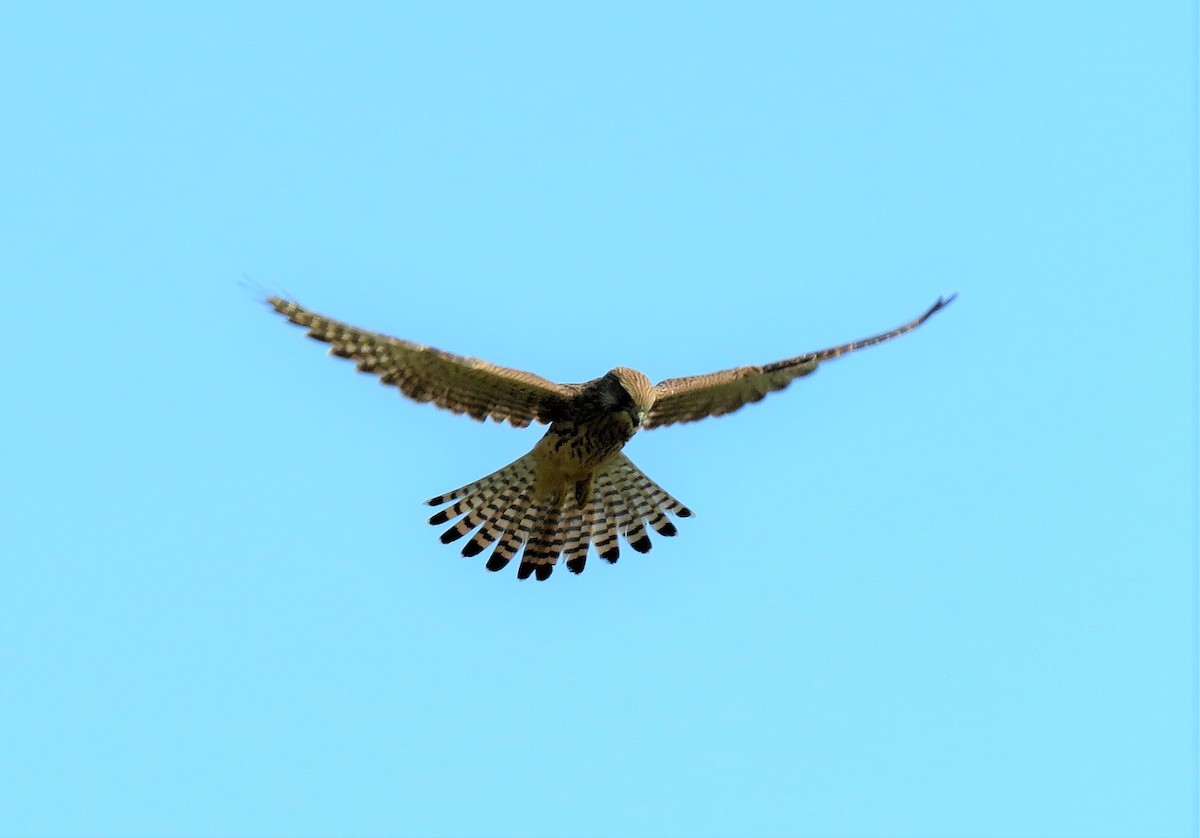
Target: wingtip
(941, 303)
(282, 305)
(273, 295)
(259, 291)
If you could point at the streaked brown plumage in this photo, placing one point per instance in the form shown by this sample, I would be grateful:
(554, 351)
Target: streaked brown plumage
(575, 489)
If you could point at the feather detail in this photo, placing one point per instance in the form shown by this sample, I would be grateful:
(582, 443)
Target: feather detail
(718, 393)
(505, 509)
(457, 383)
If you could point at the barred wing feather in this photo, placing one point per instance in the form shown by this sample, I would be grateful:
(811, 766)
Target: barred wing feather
(715, 394)
(457, 383)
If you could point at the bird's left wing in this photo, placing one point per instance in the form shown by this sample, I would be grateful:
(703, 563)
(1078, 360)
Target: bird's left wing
(424, 374)
(718, 393)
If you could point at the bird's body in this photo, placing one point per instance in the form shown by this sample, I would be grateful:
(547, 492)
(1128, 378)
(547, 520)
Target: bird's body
(607, 413)
(552, 504)
(576, 488)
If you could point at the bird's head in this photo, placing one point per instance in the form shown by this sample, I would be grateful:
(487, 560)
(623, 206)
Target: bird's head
(634, 393)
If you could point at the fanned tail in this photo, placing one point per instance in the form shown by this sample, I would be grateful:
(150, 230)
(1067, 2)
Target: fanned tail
(498, 505)
(624, 501)
(505, 509)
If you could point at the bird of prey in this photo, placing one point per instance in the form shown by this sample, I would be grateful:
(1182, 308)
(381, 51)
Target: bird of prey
(576, 488)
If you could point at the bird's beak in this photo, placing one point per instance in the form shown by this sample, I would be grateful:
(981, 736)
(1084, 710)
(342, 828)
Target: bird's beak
(637, 415)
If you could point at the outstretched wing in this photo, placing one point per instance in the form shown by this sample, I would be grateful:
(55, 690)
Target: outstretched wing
(424, 374)
(718, 393)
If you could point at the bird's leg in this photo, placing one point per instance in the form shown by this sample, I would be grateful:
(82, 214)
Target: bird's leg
(583, 491)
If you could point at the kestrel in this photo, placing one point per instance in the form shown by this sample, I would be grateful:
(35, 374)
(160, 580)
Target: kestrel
(575, 489)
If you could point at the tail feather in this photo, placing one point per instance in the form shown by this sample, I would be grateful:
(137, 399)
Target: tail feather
(578, 537)
(513, 538)
(504, 509)
(647, 502)
(544, 545)
(478, 502)
(654, 493)
(480, 498)
(523, 466)
(632, 525)
(606, 523)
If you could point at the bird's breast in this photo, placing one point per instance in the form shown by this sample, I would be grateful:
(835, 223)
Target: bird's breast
(580, 447)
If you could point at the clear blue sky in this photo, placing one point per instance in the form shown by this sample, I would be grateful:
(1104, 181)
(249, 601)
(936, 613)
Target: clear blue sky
(946, 587)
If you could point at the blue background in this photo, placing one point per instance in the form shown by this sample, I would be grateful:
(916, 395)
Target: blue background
(943, 587)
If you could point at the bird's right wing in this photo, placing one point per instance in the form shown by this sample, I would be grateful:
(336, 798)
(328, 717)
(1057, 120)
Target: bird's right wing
(424, 374)
(718, 393)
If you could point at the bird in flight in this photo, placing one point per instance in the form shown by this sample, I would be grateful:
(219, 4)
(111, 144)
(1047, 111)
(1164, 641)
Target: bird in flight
(576, 488)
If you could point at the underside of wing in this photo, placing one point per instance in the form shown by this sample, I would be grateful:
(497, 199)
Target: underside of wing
(457, 383)
(700, 396)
